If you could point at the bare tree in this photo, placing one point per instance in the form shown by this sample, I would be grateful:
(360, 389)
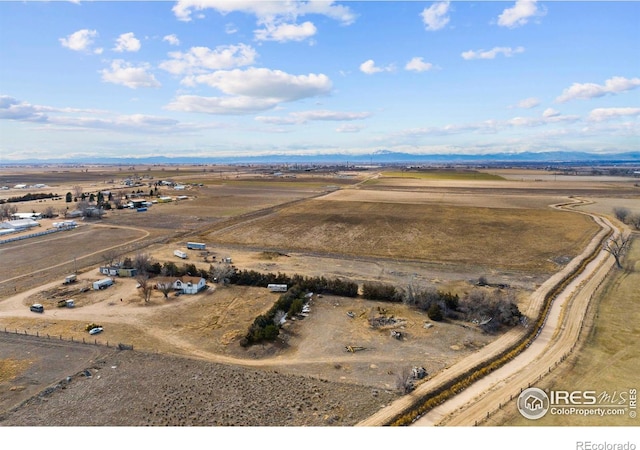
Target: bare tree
(77, 191)
(618, 246)
(634, 221)
(110, 257)
(7, 210)
(221, 272)
(165, 287)
(146, 288)
(49, 212)
(142, 262)
(621, 213)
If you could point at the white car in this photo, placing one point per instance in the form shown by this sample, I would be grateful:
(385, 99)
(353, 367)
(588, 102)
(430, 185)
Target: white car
(95, 330)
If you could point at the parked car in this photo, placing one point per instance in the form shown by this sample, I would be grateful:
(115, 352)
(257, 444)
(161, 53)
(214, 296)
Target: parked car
(96, 330)
(37, 307)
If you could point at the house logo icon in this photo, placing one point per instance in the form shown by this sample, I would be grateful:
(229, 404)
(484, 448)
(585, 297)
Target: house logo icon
(533, 403)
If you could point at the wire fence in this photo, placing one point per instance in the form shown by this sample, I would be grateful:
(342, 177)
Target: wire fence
(83, 340)
(40, 233)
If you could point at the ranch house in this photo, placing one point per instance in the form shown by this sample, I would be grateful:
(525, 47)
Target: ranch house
(185, 284)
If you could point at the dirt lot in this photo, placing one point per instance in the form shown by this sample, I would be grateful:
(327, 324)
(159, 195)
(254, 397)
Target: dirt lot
(240, 215)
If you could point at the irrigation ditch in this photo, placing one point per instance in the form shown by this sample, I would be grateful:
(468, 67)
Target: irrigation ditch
(429, 399)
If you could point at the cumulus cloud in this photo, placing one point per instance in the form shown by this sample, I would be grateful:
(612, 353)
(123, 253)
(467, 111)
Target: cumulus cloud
(550, 112)
(369, 67)
(266, 11)
(491, 54)
(251, 90)
(418, 65)
(435, 16)
(602, 114)
(199, 59)
(172, 39)
(13, 109)
(81, 41)
(126, 74)
(519, 14)
(613, 85)
(286, 32)
(528, 103)
(127, 42)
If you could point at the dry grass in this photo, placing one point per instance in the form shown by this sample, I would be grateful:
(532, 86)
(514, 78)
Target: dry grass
(486, 237)
(608, 360)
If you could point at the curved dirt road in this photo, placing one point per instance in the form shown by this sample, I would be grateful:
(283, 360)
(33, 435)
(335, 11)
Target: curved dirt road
(556, 339)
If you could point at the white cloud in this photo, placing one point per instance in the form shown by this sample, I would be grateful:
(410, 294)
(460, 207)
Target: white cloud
(267, 83)
(519, 14)
(286, 32)
(221, 105)
(127, 42)
(418, 65)
(435, 17)
(491, 54)
(13, 109)
(602, 114)
(550, 112)
(198, 59)
(528, 103)
(124, 73)
(267, 11)
(81, 41)
(349, 128)
(317, 115)
(172, 39)
(369, 67)
(251, 90)
(613, 85)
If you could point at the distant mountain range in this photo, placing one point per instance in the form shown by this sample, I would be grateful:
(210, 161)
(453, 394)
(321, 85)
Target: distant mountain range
(376, 158)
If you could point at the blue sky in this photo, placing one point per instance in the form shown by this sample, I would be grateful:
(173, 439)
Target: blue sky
(229, 78)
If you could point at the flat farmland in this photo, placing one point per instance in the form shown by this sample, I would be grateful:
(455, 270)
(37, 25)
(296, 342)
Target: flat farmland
(442, 232)
(23, 262)
(607, 361)
(533, 240)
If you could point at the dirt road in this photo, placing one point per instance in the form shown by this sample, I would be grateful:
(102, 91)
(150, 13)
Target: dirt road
(556, 339)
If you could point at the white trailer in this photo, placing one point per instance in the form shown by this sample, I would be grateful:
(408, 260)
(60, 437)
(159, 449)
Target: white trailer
(180, 254)
(70, 279)
(102, 284)
(277, 287)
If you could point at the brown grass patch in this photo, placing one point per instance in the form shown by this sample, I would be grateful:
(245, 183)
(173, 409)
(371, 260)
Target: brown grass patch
(499, 238)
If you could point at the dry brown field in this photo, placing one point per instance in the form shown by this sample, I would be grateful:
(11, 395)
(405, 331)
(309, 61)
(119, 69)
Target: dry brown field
(608, 358)
(361, 227)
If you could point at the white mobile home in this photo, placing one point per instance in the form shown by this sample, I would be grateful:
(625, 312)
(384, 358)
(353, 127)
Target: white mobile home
(277, 287)
(180, 254)
(102, 284)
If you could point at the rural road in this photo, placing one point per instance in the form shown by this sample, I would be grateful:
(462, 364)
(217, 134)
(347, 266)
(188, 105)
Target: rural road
(556, 339)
